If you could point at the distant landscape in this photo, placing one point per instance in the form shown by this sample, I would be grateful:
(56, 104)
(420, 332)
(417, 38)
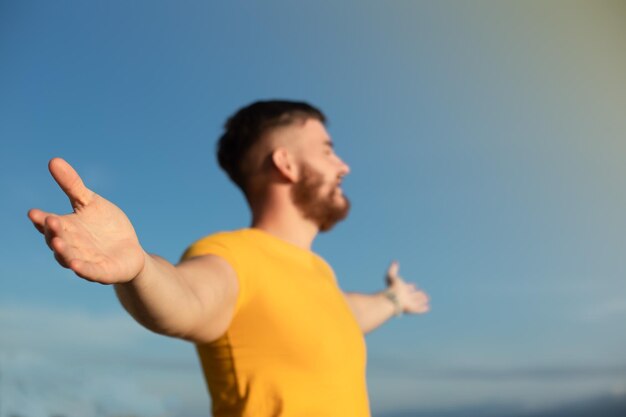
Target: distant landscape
(609, 406)
(599, 407)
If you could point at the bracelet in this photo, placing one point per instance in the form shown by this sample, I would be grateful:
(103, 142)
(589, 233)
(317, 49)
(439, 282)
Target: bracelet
(391, 296)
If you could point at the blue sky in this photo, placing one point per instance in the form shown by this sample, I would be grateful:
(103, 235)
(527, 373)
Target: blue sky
(486, 142)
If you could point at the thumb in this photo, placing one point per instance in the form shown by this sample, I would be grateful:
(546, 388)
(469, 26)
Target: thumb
(392, 272)
(70, 182)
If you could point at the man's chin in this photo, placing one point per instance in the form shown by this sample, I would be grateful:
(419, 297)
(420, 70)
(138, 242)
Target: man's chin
(345, 204)
(341, 209)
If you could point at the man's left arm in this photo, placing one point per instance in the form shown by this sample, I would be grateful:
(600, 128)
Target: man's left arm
(400, 297)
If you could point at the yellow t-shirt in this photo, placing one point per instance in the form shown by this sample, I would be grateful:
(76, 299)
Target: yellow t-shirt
(294, 347)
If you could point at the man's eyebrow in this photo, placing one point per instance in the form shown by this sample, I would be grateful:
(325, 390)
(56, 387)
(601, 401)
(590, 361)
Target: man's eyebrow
(329, 143)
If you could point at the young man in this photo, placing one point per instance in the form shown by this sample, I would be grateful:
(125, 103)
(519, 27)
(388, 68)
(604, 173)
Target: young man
(275, 334)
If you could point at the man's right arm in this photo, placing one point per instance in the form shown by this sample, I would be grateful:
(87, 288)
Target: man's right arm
(194, 300)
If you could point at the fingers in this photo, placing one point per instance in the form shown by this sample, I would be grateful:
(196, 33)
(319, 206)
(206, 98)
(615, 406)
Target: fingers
(38, 218)
(70, 182)
(59, 247)
(63, 250)
(420, 302)
(50, 226)
(56, 236)
(67, 254)
(69, 257)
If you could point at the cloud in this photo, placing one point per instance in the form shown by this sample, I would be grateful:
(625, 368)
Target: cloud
(74, 363)
(501, 398)
(598, 406)
(47, 329)
(36, 386)
(396, 365)
(397, 383)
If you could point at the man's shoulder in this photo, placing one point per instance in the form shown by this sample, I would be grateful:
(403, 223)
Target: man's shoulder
(223, 235)
(222, 240)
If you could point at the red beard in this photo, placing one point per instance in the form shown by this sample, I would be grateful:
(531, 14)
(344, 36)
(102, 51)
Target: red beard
(324, 210)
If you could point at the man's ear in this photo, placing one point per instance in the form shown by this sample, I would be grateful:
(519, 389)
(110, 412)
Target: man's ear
(284, 163)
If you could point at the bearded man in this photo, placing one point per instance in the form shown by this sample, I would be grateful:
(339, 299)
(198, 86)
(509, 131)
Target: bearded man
(275, 334)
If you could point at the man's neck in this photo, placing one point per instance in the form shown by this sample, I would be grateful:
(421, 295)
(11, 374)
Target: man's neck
(287, 225)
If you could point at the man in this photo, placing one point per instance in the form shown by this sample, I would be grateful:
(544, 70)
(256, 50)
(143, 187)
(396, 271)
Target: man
(275, 335)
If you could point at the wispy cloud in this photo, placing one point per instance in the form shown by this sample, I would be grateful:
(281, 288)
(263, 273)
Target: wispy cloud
(36, 386)
(397, 382)
(597, 406)
(45, 329)
(77, 364)
(537, 373)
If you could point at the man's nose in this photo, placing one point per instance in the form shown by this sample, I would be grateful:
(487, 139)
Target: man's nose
(344, 168)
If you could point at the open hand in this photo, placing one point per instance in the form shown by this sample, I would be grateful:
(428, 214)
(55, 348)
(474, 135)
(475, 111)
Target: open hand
(412, 299)
(96, 241)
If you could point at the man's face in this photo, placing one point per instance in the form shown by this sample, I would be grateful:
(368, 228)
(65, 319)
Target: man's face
(317, 193)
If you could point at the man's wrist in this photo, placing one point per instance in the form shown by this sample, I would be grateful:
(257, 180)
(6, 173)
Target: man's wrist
(393, 297)
(147, 261)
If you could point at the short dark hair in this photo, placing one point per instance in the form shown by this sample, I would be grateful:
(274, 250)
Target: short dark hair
(249, 124)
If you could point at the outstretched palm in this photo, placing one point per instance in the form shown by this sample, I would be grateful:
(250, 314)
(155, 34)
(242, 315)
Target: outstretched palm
(96, 241)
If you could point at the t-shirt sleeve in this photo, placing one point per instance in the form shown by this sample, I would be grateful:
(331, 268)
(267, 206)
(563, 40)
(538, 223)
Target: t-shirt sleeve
(220, 245)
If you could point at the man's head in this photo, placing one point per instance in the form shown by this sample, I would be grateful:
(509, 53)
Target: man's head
(285, 143)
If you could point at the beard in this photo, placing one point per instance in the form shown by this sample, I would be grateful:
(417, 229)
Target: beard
(324, 209)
